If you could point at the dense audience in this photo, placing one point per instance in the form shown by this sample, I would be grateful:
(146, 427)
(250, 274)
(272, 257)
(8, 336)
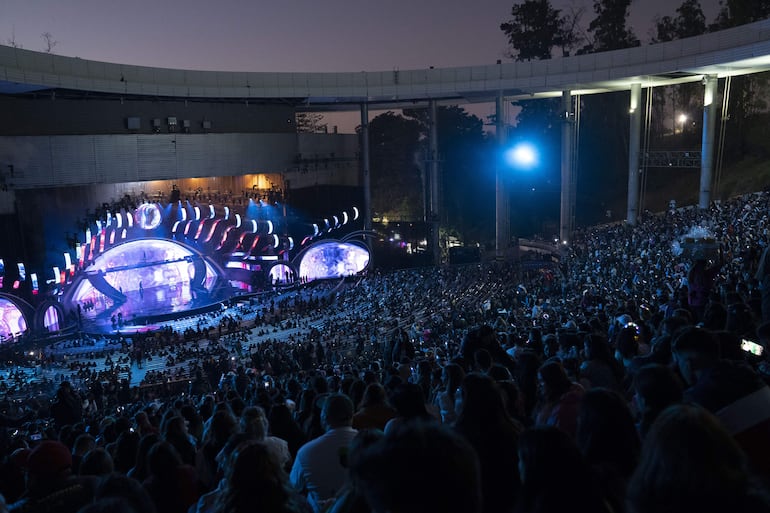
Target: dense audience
(631, 376)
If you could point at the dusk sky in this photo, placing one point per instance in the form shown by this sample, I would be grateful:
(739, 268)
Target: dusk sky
(285, 35)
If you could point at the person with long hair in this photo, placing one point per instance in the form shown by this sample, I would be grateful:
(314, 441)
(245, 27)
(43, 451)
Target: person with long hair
(484, 422)
(656, 387)
(689, 462)
(373, 411)
(172, 485)
(607, 438)
(554, 475)
(559, 398)
(255, 482)
(599, 369)
(451, 377)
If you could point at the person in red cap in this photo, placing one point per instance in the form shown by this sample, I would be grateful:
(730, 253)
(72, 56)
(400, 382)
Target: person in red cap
(50, 485)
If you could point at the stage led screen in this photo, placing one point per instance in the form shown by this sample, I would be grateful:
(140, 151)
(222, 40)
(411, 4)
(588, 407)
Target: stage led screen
(332, 259)
(280, 273)
(12, 322)
(146, 271)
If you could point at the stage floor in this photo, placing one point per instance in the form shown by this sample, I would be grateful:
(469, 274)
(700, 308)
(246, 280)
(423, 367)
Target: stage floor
(143, 310)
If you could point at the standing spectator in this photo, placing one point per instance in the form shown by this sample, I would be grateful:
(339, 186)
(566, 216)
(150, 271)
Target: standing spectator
(451, 378)
(67, 409)
(700, 281)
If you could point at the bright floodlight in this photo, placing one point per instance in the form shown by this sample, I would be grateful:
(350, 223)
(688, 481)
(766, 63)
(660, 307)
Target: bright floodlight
(522, 156)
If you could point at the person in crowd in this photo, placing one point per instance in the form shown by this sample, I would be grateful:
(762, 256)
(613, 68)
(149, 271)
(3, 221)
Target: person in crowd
(83, 443)
(731, 390)
(97, 462)
(223, 425)
(351, 498)
(374, 412)
(689, 462)
(656, 387)
(410, 405)
(608, 440)
(67, 408)
(253, 477)
(599, 368)
(700, 281)
(172, 485)
(559, 398)
(119, 489)
(318, 471)
(254, 424)
(208, 501)
(419, 467)
(451, 377)
(140, 470)
(286, 428)
(554, 475)
(175, 432)
(484, 422)
(50, 485)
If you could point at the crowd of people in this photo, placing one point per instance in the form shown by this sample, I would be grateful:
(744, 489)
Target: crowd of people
(632, 376)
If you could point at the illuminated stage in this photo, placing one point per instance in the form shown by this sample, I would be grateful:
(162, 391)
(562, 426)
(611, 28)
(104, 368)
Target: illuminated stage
(135, 271)
(144, 281)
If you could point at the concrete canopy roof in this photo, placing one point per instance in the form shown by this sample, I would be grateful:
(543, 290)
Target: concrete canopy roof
(736, 51)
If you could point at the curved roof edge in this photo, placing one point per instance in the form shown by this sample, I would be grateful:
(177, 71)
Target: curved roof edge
(735, 51)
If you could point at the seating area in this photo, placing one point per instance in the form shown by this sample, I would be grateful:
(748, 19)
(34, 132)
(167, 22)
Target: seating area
(637, 332)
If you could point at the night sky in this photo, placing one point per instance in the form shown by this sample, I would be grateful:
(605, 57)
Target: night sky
(284, 35)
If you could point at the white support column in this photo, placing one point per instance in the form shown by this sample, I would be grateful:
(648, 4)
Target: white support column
(502, 223)
(635, 125)
(365, 166)
(435, 209)
(707, 141)
(565, 225)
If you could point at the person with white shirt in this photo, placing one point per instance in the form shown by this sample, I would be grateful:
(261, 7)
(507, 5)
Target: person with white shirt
(318, 470)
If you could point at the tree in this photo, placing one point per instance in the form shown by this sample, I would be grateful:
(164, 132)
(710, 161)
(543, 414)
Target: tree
(672, 101)
(394, 143)
(536, 28)
(11, 41)
(466, 186)
(609, 28)
(533, 30)
(603, 156)
(50, 42)
(740, 12)
(747, 102)
(690, 21)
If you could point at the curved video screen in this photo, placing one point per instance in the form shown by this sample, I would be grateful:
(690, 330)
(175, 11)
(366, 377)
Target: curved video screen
(145, 270)
(332, 259)
(281, 273)
(51, 319)
(148, 216)
(12, 322)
